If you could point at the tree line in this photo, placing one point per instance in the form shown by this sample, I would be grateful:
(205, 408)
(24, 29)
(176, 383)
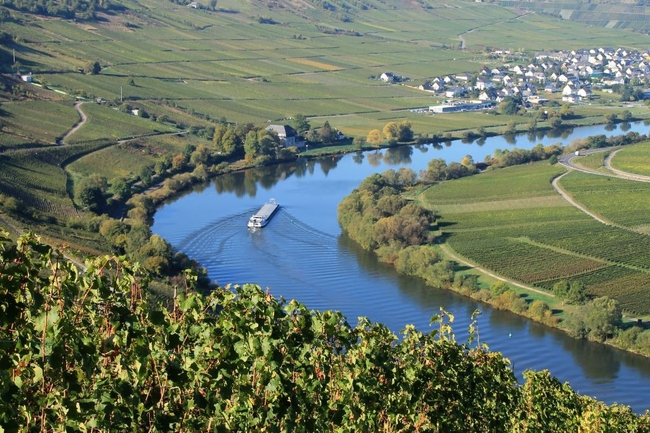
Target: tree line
(68, 9)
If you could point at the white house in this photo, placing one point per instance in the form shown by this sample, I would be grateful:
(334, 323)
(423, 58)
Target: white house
(388, 77)
(288, 136)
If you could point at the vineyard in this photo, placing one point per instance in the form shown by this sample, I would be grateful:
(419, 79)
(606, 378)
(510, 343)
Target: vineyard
(106, 123)
(621, 201)
(633, 159)
(501, 221)
(37, 122)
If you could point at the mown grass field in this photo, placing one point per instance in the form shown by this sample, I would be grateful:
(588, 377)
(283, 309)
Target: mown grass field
(633, 159)
(512, 222)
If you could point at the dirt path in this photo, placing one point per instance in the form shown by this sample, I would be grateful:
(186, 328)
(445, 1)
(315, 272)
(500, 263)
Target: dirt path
(445, 249)
(79, 124)
(623, 174)
(568, 198)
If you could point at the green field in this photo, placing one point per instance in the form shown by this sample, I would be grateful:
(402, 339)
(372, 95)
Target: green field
(226, 63)
(512, 222)
(633, 159)
(35, 122)
(624, 202)
(107, 123)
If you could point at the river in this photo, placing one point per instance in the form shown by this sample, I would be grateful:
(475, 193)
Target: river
(302, 254)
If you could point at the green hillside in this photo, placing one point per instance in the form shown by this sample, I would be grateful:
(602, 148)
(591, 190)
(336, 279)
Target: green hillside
(631, 15)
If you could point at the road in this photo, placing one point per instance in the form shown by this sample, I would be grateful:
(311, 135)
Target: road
(79, 124)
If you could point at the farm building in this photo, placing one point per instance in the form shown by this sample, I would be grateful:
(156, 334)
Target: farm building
(464, 106)
(288, 136)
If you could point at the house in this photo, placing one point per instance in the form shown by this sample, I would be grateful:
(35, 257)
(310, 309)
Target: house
(584, 93)
(27, 78)
(288, 136)
(567, 90)
(388, 77)
(570, 98)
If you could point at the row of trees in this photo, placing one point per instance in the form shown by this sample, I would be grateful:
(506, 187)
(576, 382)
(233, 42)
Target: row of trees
(393, 132)
(92, 352)
(68, 9)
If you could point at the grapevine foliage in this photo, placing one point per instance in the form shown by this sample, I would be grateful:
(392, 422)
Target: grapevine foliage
(91, 352)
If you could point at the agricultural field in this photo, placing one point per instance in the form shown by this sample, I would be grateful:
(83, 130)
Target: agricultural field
(106, 123)
(595, 161)
(512, 222)
(125, 160)
(623, 202)
(633, 159)
(230, 63)
(35, 122)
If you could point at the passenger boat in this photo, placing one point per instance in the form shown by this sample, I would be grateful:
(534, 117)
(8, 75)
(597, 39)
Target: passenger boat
(264, 215)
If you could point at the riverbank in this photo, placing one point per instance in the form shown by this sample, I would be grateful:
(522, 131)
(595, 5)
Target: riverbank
(163, 194)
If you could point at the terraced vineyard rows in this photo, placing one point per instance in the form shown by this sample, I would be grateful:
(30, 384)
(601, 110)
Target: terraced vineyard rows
(625, 202)
(490, 220)
(633, 159)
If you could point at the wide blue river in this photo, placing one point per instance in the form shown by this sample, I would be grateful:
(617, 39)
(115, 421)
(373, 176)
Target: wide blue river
(302, 254)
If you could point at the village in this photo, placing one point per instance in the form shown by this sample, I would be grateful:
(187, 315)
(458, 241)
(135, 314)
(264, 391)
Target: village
(573, 74)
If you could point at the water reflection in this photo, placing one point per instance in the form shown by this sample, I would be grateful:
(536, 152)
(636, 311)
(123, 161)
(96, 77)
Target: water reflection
(626, 126)
(374, 159)
(398, 155)
(596, 360)
(310, 190)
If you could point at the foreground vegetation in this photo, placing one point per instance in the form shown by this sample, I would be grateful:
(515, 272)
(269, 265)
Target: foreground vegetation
(93, 352)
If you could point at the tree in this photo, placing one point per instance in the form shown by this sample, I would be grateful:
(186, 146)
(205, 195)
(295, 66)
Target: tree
(404, 132)
(391, 131)
(467, 161)
(251, 146)
(375, 138)
(326, 134)
(120, 187)
(509, 106)
(301, 124)
(93, 68)
(146, 174)
(436, 170)
(213, 5)
(602, 317)
(89, 193)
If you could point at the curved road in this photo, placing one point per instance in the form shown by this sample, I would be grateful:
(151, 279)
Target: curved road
(76, 126)
(567, 161)
(623, 174)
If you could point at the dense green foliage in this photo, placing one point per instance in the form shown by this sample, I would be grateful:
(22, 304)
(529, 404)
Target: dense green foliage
(69, 9)
(92, 351)
(377, 217)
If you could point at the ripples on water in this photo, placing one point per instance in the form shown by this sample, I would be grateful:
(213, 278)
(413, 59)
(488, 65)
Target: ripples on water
(324, 271)
(302, 255)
